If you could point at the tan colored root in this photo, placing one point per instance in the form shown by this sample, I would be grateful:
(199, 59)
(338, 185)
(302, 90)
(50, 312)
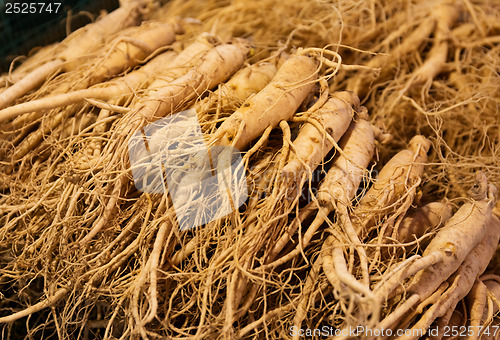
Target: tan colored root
(456, 239)
(303, 241)
(384, 290)
(402, 172)
(150, 271)
(361, 85)
(81, 42)
(314, 142)
(276, 102)
(115, 88)
(108, 212)
(463, 280)
(188, 58)
(395, 316)
(353, 160)
(228, 58)
(128, 53)
(350, 281)
(417, 223)
(445, 16)
(238, 89)
(457, 111)
(307, 291)
(49, 302)
(34, 79)
(477, 299)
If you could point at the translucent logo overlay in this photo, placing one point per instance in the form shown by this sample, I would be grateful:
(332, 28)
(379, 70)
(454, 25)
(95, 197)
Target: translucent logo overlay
(170, 155)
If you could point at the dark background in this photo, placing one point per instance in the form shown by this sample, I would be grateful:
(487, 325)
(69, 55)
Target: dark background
(20, 33)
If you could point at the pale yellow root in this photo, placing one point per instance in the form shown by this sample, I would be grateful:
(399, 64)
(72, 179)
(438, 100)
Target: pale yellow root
(66, 129)
(276, 102)
(303, 241)
(344, 177)
(31, 141)
(354, 157)
(339, 185)
(29, 63)
(49, 302)
(216, 66)
(109, 210)
(239, 88)
(283, 240)
(305, 299)
(107, 106)
(150, 271)
(328, 265)
(106, 91)
(421, 220)
(460, 235)
(416, 223)
(315, 139)
(350, 232)
(477, 299)
(247, 82)
(80, 43)
(94, 149)
(445, 15)
(350, 281)
(277, 311)
(230, 304)
(463, 279)
(384, 290)
(32, 80)
(390, 320)
(396, 179)
(116, 89)
(401, 169)
(134, 48)
(183, 253)
(88, 38)
(188, 59)
(337, 190)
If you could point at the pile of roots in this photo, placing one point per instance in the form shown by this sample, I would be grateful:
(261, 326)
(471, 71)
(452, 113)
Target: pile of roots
(359, 194)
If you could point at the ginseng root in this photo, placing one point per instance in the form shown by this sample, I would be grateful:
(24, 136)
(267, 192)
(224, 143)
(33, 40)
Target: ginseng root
(276, 102)
(462, 281)
(448, 249)
(80, 43)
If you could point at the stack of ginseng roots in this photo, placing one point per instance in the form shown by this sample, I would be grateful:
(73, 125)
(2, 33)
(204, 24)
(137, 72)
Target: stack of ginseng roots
(369, 135)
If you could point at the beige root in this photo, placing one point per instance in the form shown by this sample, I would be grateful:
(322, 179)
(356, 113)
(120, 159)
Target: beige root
(397, 179)
(317, 136)
(70, 51)
(463, 279)
(276, 102)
